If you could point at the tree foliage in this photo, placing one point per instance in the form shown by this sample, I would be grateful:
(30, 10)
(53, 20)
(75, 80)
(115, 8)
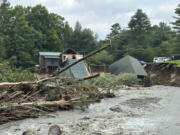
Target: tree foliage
(177, 28)
(139, 23)
(177, 22)
(142, 40)
(24, 31)
(11, 74)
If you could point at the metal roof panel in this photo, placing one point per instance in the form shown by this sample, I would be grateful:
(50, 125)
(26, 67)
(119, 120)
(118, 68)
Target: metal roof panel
(51, 57)
(49, 53)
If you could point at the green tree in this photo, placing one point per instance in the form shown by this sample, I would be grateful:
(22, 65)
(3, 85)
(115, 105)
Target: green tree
(165, 49)
(22, 38)
(49, 27)
(83, 40)
(177, 28)
(77, 27)
(5, 18)
(140, 28)
(177, 22)
(102, 58)
(115, 30)
(139, 23)
(67, 35)
(5, 26)
(160, 33)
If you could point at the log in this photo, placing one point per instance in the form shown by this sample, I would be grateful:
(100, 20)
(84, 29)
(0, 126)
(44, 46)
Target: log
(12, 84)
(60, 71)
(43, 80)
(88, 77)
(61, 103)
(15, 95)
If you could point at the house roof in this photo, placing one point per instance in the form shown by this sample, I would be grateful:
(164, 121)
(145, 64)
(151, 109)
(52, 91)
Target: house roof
(51, 57)
(70, 51)
(76, 71)
(49, 53)
(127, 64)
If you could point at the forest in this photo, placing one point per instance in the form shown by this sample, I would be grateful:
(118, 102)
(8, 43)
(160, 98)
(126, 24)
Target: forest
(24, 31)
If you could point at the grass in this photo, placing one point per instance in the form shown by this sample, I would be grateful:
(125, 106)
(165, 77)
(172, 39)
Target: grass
(110, 81)
(177, 62)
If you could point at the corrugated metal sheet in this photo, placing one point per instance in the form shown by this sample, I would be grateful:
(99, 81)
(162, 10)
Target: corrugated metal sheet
(49, 53)
(127, 64)
(76, 71)
(66, 74)
(51, 57)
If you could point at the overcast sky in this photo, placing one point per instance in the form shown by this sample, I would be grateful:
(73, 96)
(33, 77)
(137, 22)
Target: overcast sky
(99, 15)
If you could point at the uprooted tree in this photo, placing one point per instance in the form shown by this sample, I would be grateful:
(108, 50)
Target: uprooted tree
(31, 99)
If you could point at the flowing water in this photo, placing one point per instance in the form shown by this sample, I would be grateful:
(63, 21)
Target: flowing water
(139, 111)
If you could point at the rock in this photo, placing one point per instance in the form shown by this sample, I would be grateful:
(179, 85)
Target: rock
(17, 129)
(116, 109)
(28, 132)
(86, 118)
(54, 130)
(97, 133)
(49, 123)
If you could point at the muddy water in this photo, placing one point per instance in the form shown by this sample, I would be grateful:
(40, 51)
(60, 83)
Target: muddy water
(142, 111)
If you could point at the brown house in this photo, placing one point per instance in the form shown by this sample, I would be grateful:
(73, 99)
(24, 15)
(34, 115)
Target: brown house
(50, 61)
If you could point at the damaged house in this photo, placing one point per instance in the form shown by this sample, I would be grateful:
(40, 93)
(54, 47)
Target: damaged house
(50, 61)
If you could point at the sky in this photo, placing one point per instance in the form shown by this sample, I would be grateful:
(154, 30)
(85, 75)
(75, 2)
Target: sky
(99, 15)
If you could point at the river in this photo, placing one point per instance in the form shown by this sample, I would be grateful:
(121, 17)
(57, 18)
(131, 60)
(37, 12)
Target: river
(138, 111)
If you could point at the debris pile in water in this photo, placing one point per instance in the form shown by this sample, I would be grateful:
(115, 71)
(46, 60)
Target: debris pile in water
(25, 99)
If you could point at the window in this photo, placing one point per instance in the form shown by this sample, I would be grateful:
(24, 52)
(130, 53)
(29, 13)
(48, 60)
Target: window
(74, 57)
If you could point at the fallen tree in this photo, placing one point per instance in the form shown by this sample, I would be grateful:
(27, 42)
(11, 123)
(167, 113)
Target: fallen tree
(60, 103)
(30, 99)
(85, 57)
(25, 101)
(7, 84)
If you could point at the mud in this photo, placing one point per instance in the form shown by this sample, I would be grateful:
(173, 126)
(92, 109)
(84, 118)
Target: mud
(139, 111)
(136, 102)
(163, 74)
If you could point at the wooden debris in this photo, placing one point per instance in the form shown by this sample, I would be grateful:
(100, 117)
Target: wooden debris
(43, 103)
(31, 99)
(89, 77)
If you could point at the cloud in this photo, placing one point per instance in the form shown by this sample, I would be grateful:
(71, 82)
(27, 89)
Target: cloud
(99, 15)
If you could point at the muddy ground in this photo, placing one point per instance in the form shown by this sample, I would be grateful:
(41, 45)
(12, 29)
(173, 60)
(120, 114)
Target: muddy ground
(163, 74)
(142, 111)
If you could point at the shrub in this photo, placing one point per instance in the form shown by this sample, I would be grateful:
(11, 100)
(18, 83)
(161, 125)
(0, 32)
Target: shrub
(12, 74)
(110, 80)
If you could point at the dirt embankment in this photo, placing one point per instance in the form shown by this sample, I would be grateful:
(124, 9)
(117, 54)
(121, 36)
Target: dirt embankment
(163, 74)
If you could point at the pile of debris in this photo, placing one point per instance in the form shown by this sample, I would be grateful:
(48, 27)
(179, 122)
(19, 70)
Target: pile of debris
(32, 99)
(24, 100)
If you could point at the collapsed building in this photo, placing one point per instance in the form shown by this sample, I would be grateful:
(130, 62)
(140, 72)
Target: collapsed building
(51, 61)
